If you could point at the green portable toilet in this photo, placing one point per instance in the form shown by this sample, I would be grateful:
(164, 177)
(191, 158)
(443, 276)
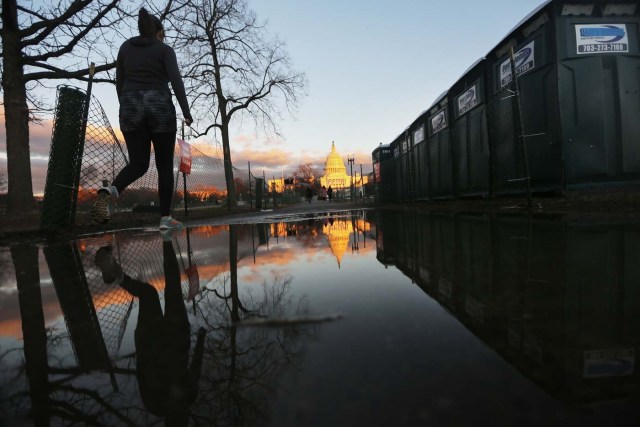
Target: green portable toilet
(404, 164)
(420, 157)
(532, 42)
(439, 147)
(469, 134)
(382, 180)
(599, 90)
(394, 170)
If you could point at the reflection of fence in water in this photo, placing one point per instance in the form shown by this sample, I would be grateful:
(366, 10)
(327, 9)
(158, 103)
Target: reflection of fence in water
(141, 258)
(113, 304)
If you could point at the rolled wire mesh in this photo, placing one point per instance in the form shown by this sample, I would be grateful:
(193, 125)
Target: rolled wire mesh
(140, 258)
(65, 157)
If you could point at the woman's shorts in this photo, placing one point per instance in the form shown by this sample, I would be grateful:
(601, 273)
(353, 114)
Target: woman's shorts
(151, 110)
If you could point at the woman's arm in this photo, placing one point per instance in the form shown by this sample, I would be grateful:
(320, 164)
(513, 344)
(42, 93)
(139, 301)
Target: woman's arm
(171, 65)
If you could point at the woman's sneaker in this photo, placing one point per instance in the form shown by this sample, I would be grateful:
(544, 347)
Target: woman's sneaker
(167, 223)
(111, 271)
(101, 211)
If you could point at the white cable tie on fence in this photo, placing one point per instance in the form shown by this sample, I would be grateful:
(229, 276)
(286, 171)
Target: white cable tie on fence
(65, 186)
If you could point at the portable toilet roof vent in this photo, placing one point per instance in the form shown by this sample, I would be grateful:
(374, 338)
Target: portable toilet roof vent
(577, 9)
(619, 9)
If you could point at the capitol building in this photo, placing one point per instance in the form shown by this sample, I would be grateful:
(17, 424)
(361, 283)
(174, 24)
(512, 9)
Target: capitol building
(335, 173)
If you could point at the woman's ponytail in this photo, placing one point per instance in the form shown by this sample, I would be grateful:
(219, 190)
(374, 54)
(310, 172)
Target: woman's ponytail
(148, 25)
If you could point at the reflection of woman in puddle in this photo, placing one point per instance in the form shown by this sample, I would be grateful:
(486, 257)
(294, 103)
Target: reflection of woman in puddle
(168, 386)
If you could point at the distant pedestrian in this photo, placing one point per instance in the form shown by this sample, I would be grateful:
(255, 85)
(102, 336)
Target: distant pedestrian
(309, 194)
(144, 67)
(330, 193)
(323, 193)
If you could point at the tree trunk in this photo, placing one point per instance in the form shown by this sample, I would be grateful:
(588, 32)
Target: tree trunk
(20, 187)
(25, 260)
(228, 167)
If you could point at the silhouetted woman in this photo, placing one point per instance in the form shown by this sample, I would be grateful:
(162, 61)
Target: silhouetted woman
(144, 67)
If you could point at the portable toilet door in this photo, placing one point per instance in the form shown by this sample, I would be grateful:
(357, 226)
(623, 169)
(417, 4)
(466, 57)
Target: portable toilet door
(382, 178)
(469, 135)
(536, 107)
(440, 160)
(599, 90)
(420, 155)
(394, 186)
(405, 168)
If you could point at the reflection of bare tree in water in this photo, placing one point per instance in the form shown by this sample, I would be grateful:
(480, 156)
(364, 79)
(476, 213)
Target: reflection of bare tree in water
(54, 390)
(242, 365)
(310, 233)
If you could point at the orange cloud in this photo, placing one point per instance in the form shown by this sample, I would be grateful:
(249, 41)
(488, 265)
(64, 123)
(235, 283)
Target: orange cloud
(244, 138)
(206, 148)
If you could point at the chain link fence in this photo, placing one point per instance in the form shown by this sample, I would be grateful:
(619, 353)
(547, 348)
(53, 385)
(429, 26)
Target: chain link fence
(86, 154)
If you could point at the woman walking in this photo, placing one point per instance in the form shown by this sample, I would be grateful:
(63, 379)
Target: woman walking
(144, 67)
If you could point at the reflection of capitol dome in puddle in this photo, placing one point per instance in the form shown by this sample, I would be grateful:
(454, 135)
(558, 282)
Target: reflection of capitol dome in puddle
(338, 235)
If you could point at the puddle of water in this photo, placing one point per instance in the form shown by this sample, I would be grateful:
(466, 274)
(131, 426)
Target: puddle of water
(350, 318)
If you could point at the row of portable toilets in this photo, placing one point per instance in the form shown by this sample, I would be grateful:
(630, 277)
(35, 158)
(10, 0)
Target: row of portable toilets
(577, 105)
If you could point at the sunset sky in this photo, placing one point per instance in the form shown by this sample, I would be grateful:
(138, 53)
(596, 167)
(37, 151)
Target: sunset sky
(372, 67)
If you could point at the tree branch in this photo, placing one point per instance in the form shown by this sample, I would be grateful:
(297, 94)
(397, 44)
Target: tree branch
(74, 41)
(49, 25)
(56, 73)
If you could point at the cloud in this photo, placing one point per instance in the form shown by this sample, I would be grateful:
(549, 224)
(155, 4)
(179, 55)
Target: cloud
(207, 148)
(244, 138)
(39, 142)
(275, 159)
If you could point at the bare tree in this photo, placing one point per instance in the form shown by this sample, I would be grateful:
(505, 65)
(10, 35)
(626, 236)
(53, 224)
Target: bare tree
(232, 68)
(52, 40)
(306, 173)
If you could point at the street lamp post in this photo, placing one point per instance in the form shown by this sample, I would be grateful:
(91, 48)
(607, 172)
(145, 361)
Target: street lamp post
(351, 160)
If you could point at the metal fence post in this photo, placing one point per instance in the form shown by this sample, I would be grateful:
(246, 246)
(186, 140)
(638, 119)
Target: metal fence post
(250, 199)
(184, 181)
